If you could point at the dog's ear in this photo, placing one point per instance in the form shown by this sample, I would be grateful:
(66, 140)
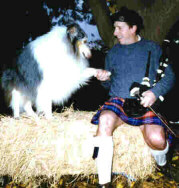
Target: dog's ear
(75, 32)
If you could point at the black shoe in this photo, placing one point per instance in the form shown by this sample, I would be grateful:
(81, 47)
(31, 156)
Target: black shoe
(107, 185)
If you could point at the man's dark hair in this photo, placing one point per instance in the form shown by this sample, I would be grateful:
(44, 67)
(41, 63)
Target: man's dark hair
(131, 17)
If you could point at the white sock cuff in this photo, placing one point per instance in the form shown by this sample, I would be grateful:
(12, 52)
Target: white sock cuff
(160, 152)
(160, 155)
(102, 140)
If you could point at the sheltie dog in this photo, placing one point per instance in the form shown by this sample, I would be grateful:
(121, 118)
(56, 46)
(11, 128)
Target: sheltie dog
(48, 71)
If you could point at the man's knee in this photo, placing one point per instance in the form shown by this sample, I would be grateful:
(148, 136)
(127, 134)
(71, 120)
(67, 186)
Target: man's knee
(155, 136)
(106, 118)
(157, 140)
(107, 121)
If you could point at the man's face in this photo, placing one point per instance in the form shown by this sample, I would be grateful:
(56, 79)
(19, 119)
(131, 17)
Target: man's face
(123, 33)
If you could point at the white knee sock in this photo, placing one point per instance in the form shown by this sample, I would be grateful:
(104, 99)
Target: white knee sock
(160, 155)
(104, 158)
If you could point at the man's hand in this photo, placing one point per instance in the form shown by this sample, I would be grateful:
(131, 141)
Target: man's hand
(148, 98)
(103, 75)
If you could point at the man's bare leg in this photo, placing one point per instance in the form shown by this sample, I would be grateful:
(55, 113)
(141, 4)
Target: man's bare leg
(154, 136)
(108, 122)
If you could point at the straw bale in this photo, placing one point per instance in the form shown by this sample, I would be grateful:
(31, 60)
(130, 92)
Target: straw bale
(32, 148)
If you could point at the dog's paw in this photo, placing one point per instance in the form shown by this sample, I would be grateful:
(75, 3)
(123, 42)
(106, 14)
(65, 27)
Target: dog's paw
(47, 116)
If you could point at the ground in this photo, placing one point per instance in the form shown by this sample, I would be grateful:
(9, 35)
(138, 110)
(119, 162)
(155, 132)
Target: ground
(156, 180)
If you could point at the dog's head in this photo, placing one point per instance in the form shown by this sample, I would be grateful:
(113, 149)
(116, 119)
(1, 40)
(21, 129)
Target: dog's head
(78, 39)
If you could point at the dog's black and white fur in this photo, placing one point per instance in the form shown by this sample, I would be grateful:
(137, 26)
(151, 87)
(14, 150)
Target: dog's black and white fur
(48, 70)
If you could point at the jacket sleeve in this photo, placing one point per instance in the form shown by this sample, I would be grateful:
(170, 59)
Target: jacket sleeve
(166, 83)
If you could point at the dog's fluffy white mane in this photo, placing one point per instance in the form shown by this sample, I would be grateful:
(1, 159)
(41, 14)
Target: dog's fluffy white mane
(59, 65)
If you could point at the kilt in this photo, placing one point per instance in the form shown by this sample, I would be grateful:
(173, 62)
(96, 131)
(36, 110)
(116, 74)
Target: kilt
(115, 104)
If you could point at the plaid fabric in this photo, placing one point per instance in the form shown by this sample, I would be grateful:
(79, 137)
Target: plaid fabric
(116, 105)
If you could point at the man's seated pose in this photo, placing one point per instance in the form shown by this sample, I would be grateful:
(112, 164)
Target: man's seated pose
(128, 61)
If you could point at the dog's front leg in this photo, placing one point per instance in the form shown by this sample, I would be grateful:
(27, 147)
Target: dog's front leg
(44, 103)
(28, 109)
(48, 112)
(45, 109)
(90, 72)
(15, 103)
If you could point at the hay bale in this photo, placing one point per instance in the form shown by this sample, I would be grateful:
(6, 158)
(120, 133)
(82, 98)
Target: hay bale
(64, 145)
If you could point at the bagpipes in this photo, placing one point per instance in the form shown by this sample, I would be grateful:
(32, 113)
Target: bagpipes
(138, 110)
(132, 106)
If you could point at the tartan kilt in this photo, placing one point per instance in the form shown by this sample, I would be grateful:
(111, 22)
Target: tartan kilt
(115, 104)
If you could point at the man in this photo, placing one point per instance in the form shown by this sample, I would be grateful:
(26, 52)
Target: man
(127, 63)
